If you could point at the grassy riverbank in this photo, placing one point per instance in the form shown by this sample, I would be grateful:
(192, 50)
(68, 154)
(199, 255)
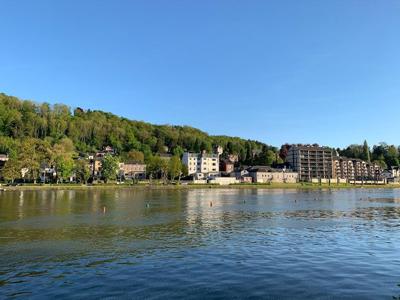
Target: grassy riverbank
(193, 186)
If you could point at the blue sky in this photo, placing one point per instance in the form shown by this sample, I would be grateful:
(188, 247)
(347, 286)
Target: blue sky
(275, 71)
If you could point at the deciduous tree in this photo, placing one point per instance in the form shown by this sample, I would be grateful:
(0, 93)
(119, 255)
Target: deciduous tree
(109, 167)
(82, 170)
(174, 167)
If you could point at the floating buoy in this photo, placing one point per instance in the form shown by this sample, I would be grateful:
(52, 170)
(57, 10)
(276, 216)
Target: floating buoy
(210, 203)
(147, 205)
(104, 209)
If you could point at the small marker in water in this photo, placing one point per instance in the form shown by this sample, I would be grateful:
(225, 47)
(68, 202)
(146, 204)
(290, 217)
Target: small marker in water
(210, 203)
(104, 209)
(147, 205)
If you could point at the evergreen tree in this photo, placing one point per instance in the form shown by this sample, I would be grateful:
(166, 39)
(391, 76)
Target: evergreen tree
(366, 153)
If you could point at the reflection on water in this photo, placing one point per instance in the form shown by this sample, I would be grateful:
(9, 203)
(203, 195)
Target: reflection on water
(200, 243)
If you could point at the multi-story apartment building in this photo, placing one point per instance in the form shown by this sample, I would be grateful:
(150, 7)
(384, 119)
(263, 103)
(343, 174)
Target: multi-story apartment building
(201, 164)
(343, 168)
(315, 162)
(355, 169)
(311, 161)
(374, 171)
(360, 169)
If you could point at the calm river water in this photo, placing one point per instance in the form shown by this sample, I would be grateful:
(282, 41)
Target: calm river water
(270, 244)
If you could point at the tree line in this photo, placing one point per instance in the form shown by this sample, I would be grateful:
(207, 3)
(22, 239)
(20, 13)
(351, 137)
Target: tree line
(383, 154)
(33, 133)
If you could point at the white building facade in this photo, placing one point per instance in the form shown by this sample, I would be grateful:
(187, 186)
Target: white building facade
(201, 165)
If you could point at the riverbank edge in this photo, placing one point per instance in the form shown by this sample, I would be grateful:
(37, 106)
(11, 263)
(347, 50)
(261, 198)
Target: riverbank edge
(272, 186)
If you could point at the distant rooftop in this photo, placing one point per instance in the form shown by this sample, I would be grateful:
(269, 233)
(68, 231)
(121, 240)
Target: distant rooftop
(310, 147)
(203, 154)
(267, 169)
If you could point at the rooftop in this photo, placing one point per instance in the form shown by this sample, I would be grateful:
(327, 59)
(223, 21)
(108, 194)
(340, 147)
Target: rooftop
(198, 155)
(310, 147)
(267, 169)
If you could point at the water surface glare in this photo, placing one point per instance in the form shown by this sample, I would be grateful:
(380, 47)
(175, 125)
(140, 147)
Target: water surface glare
(197, 244)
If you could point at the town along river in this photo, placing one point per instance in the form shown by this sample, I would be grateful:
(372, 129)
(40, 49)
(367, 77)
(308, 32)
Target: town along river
(200, 244)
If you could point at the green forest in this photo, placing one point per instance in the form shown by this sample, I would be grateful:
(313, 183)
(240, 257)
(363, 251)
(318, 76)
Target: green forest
(35, 133)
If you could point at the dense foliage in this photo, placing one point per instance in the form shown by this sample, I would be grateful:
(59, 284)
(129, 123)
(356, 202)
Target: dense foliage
(33, 134)
(384, 154)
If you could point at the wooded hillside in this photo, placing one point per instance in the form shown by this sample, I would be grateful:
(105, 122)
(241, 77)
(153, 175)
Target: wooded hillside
(87, 131)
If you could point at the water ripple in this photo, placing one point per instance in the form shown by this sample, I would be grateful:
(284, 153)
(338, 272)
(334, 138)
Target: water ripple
(274, 245)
